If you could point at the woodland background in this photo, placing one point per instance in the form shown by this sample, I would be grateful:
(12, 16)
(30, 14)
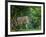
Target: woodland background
(34, 14)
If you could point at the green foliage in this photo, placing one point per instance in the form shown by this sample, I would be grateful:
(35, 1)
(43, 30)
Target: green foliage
(34, 14)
